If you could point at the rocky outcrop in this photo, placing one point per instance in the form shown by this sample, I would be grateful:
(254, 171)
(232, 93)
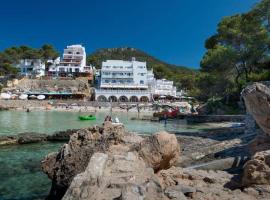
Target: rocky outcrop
(161, 151)
(257, 100)
(122, 176)
(257, 170)
(26, 138)
(104, 163)
(118, 145)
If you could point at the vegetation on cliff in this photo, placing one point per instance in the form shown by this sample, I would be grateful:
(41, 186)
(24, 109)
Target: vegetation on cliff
(237, 54)
(12, 55)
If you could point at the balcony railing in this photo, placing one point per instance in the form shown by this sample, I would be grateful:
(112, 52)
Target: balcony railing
(140, 92)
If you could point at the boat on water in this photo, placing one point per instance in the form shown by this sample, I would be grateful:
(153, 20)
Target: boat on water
(87, 117)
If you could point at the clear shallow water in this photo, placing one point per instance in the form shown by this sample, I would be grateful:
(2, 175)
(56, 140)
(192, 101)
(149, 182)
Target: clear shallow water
(14, 122)
(21, 177)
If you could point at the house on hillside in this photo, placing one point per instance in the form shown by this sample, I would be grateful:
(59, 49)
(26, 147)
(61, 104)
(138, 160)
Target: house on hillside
(31, 67)
(73, 63)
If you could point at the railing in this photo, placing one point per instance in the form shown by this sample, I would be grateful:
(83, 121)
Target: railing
(101, 91)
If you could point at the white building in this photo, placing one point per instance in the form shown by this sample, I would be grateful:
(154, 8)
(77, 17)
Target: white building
(163, 87)
(124, 81)
(73, 61)
(31, 67)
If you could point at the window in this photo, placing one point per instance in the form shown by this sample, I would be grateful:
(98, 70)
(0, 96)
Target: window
(107, 81)
(69, 52)
(77, 52)
(77, 70)
(141, 82)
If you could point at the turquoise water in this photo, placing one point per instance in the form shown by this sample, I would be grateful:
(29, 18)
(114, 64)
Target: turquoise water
(20, 175)
(14, 122)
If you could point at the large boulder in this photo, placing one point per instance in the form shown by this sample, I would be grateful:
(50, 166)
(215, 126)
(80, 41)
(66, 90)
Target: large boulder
(73, 157)
(160, 151)
(257, 100)
(109, 177)
(257, 170)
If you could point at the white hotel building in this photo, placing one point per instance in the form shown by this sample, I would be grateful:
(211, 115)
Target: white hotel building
(130, 81)
(123, 81)
(73, 61)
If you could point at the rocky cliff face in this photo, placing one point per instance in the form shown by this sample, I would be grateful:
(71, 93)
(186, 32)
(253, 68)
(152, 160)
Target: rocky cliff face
(257, 170)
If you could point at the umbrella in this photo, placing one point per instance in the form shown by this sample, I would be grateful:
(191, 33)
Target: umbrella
(5, 96)
(23, 96)
(41, 97)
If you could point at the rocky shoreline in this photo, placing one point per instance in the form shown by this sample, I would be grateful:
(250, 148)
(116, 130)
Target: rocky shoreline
(109, 163)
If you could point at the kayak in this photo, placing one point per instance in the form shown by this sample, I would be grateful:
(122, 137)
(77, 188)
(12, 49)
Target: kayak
(87, 117)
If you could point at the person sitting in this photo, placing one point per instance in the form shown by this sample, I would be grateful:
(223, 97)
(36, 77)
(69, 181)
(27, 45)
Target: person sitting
(116, 120)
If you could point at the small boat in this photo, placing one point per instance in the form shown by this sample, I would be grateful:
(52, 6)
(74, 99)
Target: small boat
(87, 117)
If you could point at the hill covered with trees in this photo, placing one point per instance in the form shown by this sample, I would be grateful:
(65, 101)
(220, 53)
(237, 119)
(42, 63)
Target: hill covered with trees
(13, 54)
(182, 76)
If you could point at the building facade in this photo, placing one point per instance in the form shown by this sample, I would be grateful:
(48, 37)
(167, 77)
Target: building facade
(123, 81)
(73, 61)
(31, 67)
(163, 87)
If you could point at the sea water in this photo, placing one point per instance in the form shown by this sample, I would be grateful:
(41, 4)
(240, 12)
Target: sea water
(21, 177)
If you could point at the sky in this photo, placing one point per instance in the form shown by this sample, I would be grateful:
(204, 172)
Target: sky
(173, 31)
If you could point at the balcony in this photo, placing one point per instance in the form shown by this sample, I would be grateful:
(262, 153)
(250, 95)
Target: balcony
(122, 92)
(123, 86)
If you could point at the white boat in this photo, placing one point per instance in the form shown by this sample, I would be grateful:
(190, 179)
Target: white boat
(5, 96)
(41, 97)
(23, 96)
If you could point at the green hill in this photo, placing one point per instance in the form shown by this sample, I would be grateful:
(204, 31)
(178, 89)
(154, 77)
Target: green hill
(182, 76)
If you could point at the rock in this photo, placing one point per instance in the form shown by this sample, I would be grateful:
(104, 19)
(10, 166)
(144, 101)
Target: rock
(115, 177)
(160, 151)
(61, 135)
(260, 143)
(174, 193)
(200, 184)
(257, 102)
(26, 138)
(6, 140)
(74, 157)
(257, 170)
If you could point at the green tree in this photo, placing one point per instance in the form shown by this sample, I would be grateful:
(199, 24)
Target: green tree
(237, 50)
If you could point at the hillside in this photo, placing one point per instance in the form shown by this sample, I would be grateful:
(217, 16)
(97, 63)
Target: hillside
(182, 76)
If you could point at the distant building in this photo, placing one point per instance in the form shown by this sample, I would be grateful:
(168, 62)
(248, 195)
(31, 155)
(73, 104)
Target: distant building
(123, 81)
(163, 87)
(73, 62)
(31, 67)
